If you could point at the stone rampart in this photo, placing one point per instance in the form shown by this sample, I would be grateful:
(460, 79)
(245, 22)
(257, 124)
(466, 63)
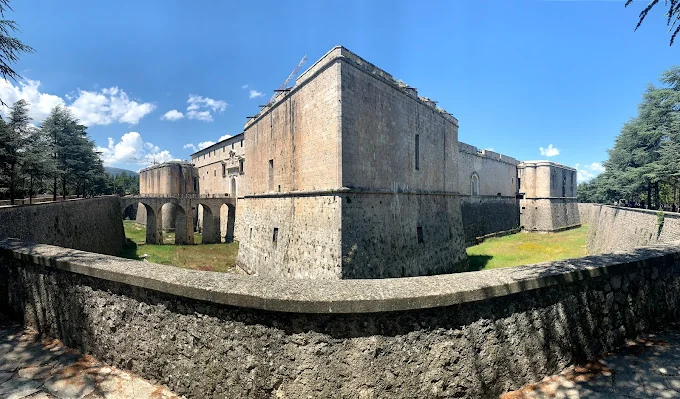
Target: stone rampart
(485, 215)
(615, 228)
(93, 224)
(472, 335)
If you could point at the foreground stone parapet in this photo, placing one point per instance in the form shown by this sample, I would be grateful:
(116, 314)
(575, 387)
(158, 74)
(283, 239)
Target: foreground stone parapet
(331, 296)
(35, 367)
(471, 335)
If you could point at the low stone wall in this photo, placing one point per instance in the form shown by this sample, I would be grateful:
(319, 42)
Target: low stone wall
(93, 224)
(485, 215)
(587, 212)
(472, 335)
(614, 228)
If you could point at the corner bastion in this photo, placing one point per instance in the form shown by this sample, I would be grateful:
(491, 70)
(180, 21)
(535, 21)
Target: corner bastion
(471, 335)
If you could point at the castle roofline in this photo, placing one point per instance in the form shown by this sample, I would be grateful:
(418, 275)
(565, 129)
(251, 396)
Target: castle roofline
(219, 144)
(544, 163)
(341, 53)
(166, 164)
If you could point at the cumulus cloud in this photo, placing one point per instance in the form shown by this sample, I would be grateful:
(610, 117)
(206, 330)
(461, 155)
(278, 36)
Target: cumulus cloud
(108, 106)
(587, 172)
(111, 105)
(204, 144)
(255, 94)
(132, 149)
(172, 115)
(203, 108)
(40, 104)
(244, 86)
(597, 167)
(549, 152)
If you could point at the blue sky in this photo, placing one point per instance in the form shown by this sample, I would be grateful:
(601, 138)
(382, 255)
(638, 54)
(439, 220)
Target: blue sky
(518, 75)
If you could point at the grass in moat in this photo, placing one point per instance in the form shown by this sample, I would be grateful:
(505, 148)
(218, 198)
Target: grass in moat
(210, 257)
(527, 248)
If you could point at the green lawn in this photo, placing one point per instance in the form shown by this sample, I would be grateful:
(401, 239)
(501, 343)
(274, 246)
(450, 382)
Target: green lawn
(527, 248)
(210, 257)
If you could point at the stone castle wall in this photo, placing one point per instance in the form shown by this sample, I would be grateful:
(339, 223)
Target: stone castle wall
(615, 228)
(93, 224)
(400, 162)
(471, 335)
(495, 208)
(485, 215)
(293, 154)
(548, 201)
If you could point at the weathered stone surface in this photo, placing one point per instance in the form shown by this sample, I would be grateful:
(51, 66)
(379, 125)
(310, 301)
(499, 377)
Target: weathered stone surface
(618, 228)
(484, 215)
(94, 224)
(468, 335)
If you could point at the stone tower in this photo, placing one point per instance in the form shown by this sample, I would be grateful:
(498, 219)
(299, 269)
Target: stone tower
(351, 175)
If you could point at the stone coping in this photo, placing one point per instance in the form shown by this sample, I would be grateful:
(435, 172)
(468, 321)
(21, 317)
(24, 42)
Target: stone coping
(666, 214)
(336, 296)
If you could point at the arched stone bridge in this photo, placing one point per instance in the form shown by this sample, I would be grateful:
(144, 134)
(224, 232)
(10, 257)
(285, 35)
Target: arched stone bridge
(186, 206)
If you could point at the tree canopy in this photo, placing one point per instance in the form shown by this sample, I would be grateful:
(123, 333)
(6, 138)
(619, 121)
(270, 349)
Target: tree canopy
(644, 165)
(56, 158)
(673, 15)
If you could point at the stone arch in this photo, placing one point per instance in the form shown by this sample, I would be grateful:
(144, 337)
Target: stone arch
(181, 222)
(210, 223)
(151, 219)
(474, 184)
(227, 222)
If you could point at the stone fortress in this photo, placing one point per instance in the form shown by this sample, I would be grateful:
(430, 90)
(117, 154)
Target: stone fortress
(352, 174)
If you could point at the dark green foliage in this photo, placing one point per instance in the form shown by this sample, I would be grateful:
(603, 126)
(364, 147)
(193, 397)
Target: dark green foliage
(672, 15)
(10, 47)
(644, 165)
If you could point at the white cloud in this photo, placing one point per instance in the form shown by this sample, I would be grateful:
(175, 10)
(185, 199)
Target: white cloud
(131, 149)
(244, 86)
(597, 167)
(108, 106)
(550, 151)
(222, 138)
(205, 144)
(103, 107)
(588, 172)
(172, 115)
(40, 104)
(255, 94)
(202, 108)
(200, 115)
(191, 147)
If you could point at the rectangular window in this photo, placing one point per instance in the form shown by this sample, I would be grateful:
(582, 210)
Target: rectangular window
(417, 152)
(241, 163)
(224, 170)
(241, 142)
(214, 172)
(419, 232)
(251, 232)
(275, 237)
(271, 174)
(232, 146)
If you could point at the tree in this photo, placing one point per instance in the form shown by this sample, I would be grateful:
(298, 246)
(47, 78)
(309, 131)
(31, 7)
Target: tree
(10, 47)
(673, 15)
(12, 136)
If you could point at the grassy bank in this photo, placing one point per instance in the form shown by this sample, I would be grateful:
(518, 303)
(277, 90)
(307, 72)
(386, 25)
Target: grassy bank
(527, 248)
(210, 257)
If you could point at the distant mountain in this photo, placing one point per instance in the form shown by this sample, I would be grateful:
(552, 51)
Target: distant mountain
(116, 171)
